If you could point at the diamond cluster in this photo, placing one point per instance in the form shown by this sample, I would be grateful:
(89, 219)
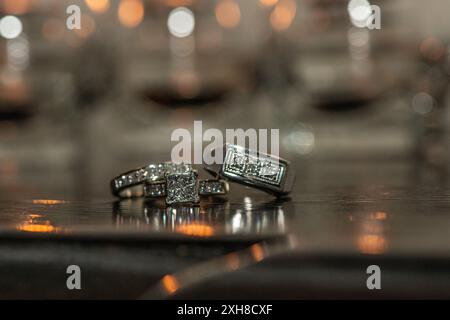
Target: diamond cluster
(240, 161)
(212, 187)
(155, 189)
(182, 187)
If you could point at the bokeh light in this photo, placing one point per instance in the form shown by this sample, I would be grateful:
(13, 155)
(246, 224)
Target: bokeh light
(131, 13)
(228, 13)
(10, 27)
(359, 11)
(282, 16)
(98, 6)
(423, 103)
(181, 22)
(15, 6)
(268, 3)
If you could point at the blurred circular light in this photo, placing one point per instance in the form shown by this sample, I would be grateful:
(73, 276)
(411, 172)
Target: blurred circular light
(15, 6)
(282, 16)
(359, 11)
(131, 13)
(10, 27)
(432, 48)
(423, 103)
(268, 3)
(301, 140)
(181, 22)
(228, 13)
(98, 6)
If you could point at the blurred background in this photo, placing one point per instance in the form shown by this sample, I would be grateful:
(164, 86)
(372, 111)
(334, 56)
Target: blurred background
(362, 113)
(136, 70)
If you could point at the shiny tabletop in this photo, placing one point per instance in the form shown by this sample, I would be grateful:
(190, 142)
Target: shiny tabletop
(55, 193)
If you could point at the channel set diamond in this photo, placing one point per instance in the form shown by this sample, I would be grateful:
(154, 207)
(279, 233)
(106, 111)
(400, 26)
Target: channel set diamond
(212, 187)
(263, 168)
(152, 172)
(155, 189)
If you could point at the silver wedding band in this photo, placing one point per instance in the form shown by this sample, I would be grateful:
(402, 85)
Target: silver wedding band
(255, 169)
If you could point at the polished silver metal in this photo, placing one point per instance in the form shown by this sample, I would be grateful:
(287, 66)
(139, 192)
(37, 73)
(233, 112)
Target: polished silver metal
(252, 168)
(130, 184)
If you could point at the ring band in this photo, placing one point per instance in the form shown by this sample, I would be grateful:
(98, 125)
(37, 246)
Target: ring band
(262, 171)
(130, 184)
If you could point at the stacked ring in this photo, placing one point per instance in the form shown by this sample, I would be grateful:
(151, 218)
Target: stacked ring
(179, 183)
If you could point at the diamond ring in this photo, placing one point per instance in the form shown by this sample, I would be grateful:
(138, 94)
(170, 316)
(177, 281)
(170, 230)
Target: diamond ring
(130, 184)
(262, 171)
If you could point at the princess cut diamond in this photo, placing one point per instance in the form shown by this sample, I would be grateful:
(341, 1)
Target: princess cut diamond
(182, 187)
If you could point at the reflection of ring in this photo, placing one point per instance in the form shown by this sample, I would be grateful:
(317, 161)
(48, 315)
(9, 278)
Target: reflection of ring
(256, 169)
(211, 187)
(268, 218)
(130, 184)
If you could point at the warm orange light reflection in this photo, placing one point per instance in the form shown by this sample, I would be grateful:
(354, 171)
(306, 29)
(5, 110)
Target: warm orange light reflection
(131, 13)
(33, 224)
(283, 15)
(15, 6)
(170, 283)
(47, 201)
(268, 3)
(380, 215)
(228, 13)
(196, 229)
(372, 244)
(98, 6)
(44, 228)
(257, 252)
